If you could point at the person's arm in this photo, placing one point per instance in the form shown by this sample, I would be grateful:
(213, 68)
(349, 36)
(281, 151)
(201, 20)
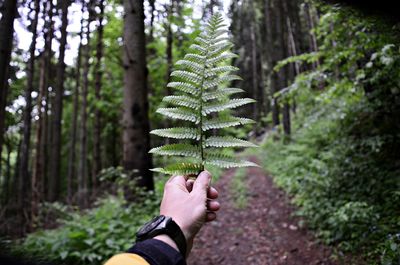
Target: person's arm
(190, 203)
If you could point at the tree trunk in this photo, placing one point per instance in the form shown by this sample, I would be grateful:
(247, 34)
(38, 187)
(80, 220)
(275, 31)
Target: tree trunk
(82, 171)
(72, 148)
(23, 170)
(136, 139)
(55, 177)
(6, 39)
(97, 165)
(254, 69)
(39, 161)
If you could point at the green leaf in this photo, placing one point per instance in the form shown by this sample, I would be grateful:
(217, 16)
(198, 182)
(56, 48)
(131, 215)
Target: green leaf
(221, 93)
(187, 76)
(220, 106)
(184, 87)
(180, 169)
(178, 133)
(183, 101)
(220, 80)
(177, 150)
(221, 58)
(193, 66)
(219, 123)
(227, 162)
(179, 114)
(227, 141)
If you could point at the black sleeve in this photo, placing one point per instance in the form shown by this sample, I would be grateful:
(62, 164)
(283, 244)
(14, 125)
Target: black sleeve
(157, 252)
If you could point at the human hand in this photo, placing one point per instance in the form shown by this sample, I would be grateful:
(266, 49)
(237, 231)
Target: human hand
(190, 203)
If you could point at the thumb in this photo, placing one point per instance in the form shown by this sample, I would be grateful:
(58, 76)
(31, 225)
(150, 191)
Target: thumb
(202, 183)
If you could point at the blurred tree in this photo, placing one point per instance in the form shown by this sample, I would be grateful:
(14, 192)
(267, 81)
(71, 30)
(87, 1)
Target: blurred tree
(136, 139)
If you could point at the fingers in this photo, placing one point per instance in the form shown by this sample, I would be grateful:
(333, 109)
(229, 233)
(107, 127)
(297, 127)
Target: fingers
(211, 216)
(212, 193)
(180, 180)
(213, 206)
(189, 184)
(202, 183)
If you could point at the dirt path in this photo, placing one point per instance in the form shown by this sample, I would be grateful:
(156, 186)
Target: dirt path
(263, 233)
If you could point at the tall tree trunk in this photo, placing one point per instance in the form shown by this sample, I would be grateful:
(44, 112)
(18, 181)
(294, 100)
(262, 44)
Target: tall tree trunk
(72, 148)
(39, 161)
(254, 68)
(55, 174)
(23, 170)
(97, 165)
(6, 39)
(136, 139)
(83, 172)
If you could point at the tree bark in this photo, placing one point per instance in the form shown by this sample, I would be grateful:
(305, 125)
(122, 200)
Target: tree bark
(6, 40)
(23, 170)
(39, 161)
(82, 171)
(72, 144)
(136, 139)
(55, 176)
(97, 164)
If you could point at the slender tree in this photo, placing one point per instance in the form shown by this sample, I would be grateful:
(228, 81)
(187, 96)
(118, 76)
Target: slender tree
(136, 140)
(39, 159)
(9, 11)
(73, 138)
(82, 171)
(23, 171)
(55, 177)
(97, 165)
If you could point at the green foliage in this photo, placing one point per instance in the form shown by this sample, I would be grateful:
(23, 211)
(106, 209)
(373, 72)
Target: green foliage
(202, 99)
(93, 236)
(342, 166)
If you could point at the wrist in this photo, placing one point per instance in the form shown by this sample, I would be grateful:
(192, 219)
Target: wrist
(168, 240)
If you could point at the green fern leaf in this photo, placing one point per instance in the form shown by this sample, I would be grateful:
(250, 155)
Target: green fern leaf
(221, 93)
(231, 104)
(183, 101)
(179, 114)
(203, 102)
(226, 141)
(184, 87)
(178, 133)
(219, 123)
(180, 169)
(177, 150)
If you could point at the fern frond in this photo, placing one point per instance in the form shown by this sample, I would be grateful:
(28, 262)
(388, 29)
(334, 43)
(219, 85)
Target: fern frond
(177, 150)
(198, 48)
(221, 69)
(183, 101)
(220, 80)
(187, 76)
(221, 93)
(194, 57)
(219, 123)
(179, 114)
(193, 66)
(227, 161)
(178, 133)
(220, 106)
(203, 101)
(222, 57)
(180, 169)
(184, 87)
(226, 141)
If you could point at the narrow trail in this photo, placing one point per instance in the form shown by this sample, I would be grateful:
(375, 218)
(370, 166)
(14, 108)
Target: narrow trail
(263, 233)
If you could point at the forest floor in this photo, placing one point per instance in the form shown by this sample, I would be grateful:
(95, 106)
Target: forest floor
(264, 232)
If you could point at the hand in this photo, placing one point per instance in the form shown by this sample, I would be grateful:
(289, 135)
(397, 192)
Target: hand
(190, 203)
